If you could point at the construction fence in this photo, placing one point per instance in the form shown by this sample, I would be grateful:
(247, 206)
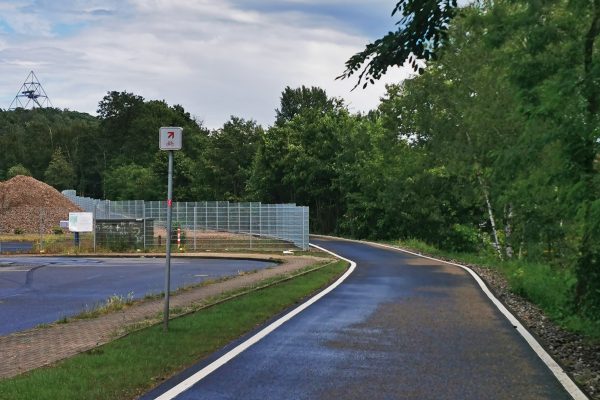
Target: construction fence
(197, 226)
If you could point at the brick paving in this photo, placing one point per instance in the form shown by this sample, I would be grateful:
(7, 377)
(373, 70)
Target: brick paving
(27, 350)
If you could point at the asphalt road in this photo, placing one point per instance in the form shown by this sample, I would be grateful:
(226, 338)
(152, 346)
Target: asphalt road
(15, 247)
(400, 327)
(36, 290)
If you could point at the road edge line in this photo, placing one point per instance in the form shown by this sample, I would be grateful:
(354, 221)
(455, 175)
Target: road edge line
(565, 380)
(230, 355)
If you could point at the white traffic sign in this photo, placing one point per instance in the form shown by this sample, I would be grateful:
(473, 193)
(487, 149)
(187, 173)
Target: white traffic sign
(170, 137)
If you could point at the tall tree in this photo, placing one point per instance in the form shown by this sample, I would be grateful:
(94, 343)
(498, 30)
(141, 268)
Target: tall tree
(229, 156)
(300, 100)
(535, 33)
(60, 172)
(295, 162)
(422, 29)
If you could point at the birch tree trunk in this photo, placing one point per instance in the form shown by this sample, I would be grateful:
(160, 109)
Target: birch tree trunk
(490, 210)
(508, 231)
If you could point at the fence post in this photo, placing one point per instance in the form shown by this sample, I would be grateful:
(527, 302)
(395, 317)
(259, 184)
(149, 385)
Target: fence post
(95, 227)
(217, 215)
(195, 227)
(303, 228)
(260, 219)
(144, 225)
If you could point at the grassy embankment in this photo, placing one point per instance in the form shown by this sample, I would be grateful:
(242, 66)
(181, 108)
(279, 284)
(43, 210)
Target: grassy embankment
(549, 287)
(131, 365)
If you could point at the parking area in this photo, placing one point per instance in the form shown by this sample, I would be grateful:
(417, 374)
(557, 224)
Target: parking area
(37, 290)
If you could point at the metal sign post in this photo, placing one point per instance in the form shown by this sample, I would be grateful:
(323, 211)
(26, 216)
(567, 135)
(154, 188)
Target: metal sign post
(170, 139)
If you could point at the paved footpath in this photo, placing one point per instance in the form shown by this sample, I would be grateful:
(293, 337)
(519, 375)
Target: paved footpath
(400, 327)
(27, 350)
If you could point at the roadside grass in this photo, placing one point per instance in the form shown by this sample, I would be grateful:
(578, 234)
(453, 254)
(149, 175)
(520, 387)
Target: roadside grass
(64, 244)
(31, 237)
(113, 303)
(128, 367)
(549, 287)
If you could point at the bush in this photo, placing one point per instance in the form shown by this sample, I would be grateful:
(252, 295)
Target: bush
(462, 238)
(18, 169)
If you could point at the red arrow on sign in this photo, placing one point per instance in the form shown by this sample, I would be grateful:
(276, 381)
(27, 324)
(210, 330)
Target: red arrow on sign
(170, 135)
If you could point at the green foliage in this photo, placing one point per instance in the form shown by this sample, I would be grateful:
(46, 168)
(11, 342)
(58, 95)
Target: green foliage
(547, 286)
(18, 169)
(421, 31)
(60, 172)
(588, 264)
(517, 135)
(120, 242)
(228, 158)
(296, 161)
(302, 100)
(132, 181)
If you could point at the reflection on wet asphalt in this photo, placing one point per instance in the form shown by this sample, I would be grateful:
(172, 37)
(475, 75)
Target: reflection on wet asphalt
(400, 327)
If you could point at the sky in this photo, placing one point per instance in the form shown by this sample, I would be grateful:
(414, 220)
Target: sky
(216, 58)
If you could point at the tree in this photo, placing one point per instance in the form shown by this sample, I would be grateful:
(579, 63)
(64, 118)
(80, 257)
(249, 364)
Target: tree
(132, 182)
(295, 162)
(128, 129)
(422, 31)
(301, 100)
(560, 99)
(18, 169)
(60, 172)
(229, 154)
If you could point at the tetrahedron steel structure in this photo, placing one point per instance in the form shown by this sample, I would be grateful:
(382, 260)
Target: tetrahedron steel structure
(31, 95)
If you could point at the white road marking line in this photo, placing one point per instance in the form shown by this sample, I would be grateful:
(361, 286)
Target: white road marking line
(556, 369)
(201, 275)
(198, 376)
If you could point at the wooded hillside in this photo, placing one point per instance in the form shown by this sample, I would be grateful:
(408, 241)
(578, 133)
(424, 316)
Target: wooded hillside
(494, 148)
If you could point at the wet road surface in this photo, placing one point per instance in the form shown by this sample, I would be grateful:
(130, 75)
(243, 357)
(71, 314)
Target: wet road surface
(400, 327)
(36, 290)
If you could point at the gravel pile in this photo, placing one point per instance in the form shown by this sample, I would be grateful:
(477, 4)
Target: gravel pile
(28, 206)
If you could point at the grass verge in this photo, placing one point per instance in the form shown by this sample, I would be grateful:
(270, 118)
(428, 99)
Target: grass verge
(549, 287)
(132, 365)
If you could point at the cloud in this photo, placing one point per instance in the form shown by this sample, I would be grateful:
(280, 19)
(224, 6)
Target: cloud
(216, 58)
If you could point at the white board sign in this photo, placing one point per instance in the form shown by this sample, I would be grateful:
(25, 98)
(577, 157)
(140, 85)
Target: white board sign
(170, 137)
(81, 222)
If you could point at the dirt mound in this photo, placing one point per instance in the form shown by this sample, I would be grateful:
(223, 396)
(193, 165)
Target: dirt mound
(28, 205)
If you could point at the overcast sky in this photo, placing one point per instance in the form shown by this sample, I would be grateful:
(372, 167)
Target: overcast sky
(214, 57)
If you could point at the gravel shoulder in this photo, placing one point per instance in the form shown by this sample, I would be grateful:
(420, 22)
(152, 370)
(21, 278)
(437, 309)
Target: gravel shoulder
(27, 350)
